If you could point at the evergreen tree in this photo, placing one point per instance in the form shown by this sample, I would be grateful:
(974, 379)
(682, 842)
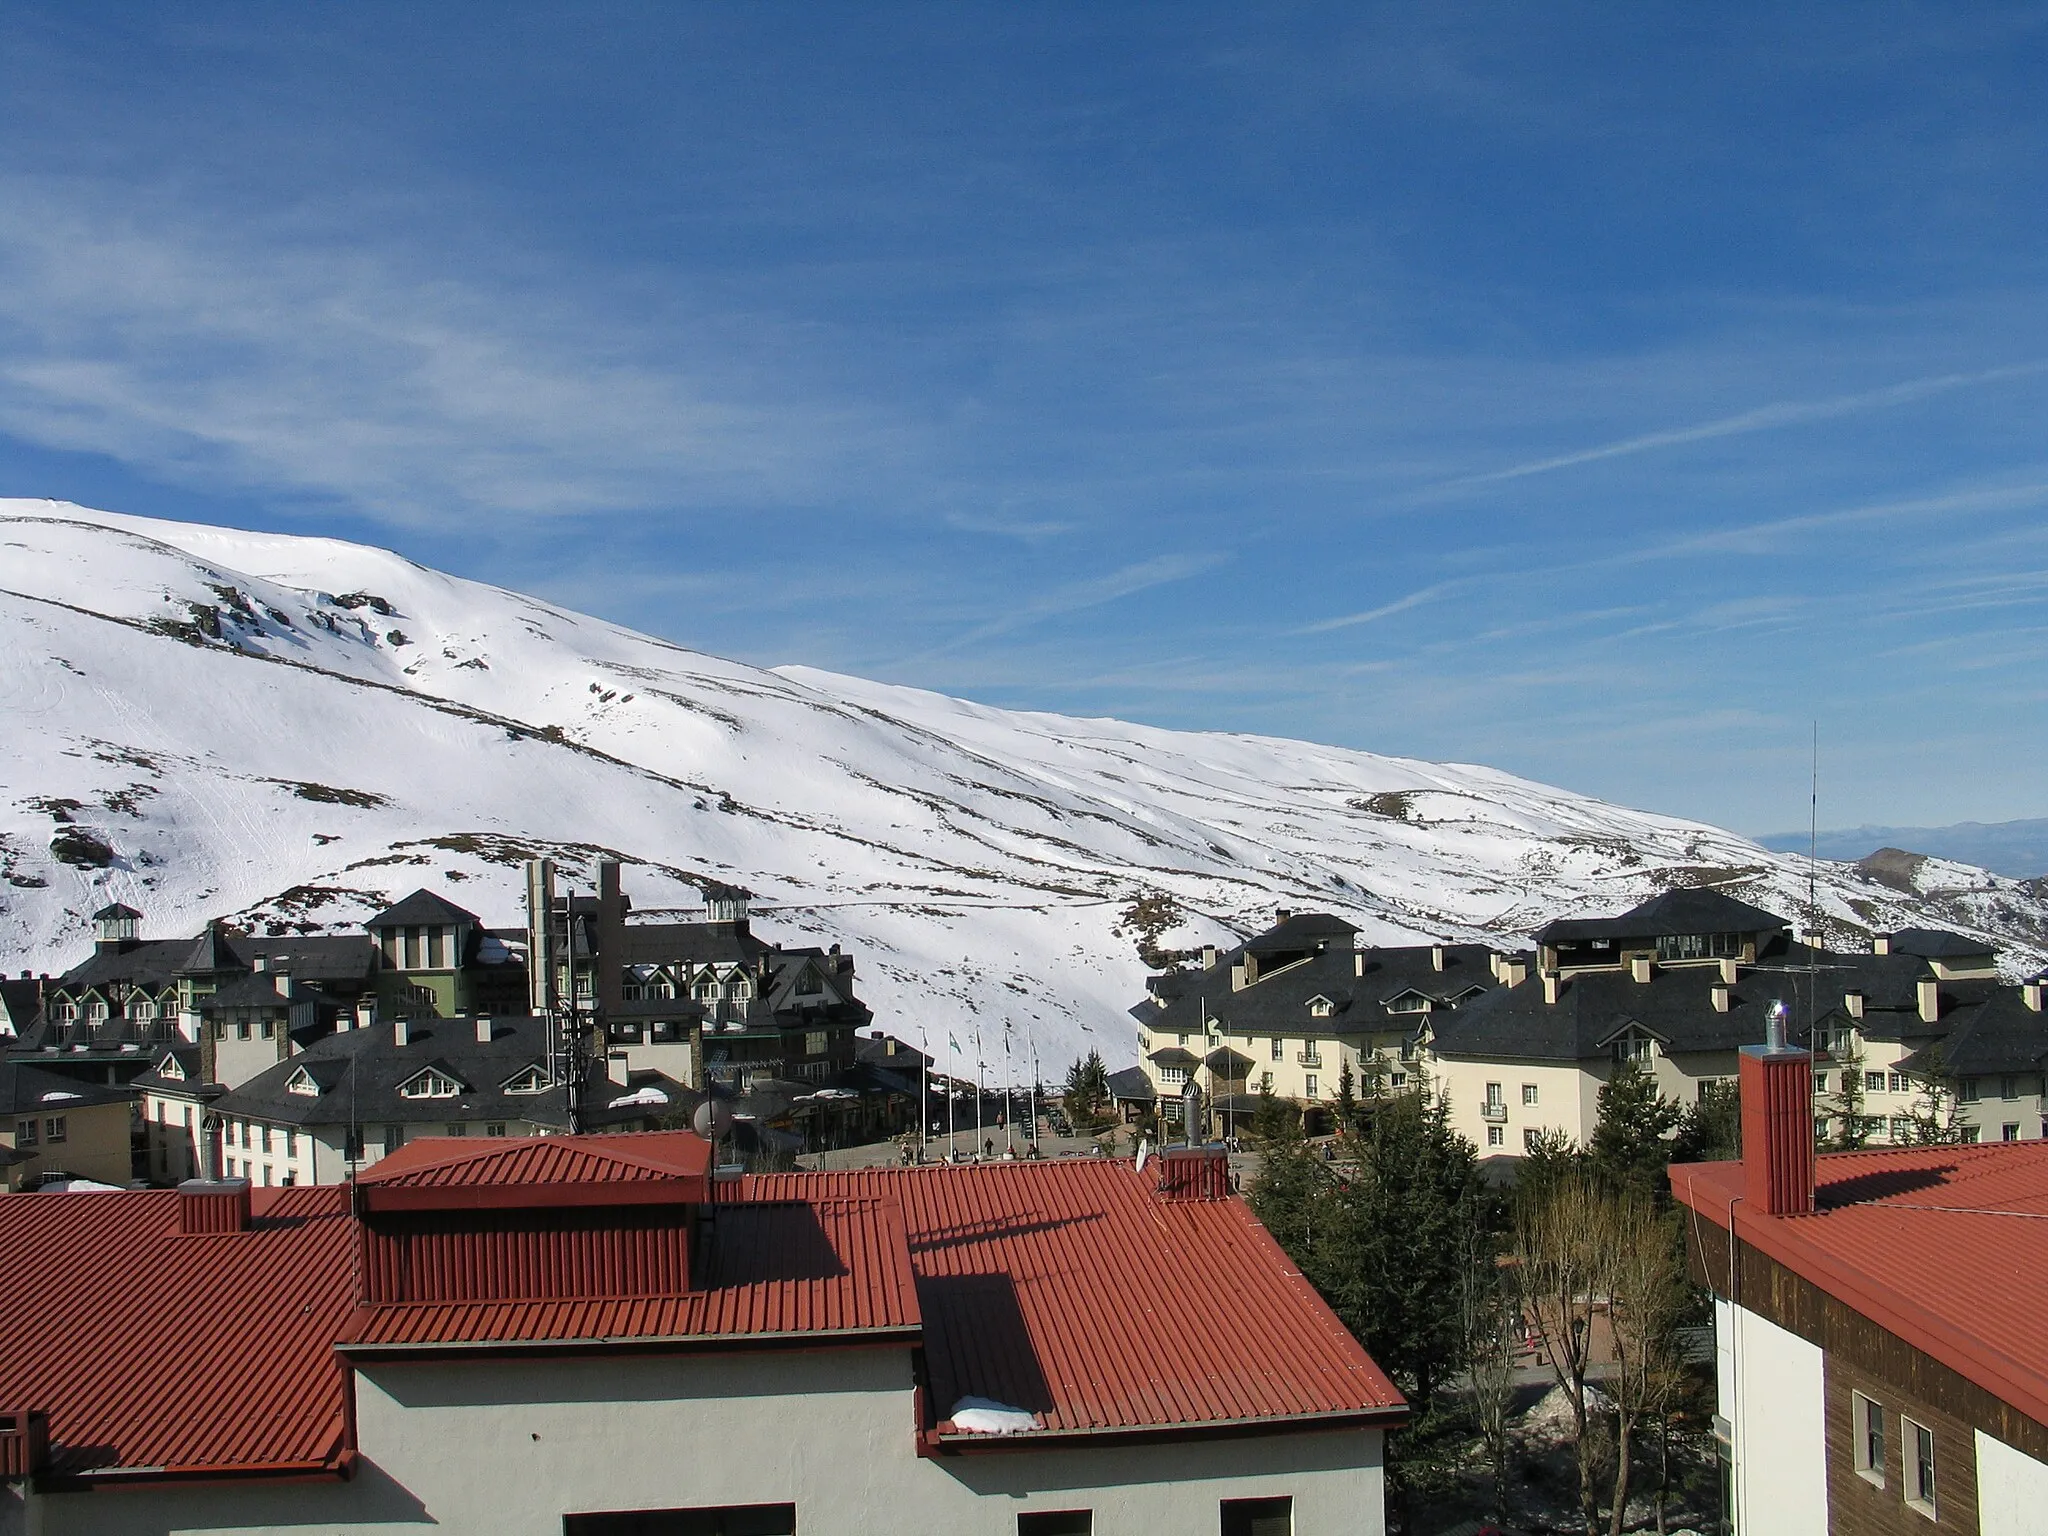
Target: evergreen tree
(1631, 1146)
(1347, 1099)
(1848, 1105)
(1711, 1131)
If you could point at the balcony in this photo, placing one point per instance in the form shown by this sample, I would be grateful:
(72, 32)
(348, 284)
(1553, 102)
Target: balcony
(1492, 1111)
(1310, 1059)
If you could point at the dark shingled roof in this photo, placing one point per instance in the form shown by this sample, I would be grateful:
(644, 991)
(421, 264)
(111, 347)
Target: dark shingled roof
(115, 913)
(1133, 1085)
(25, 1089)
(359, 1072)
(1939, 944)
(1668, 915)
(422, 909)
(1675, 1006)
(1999, 1035)
(1302, 930)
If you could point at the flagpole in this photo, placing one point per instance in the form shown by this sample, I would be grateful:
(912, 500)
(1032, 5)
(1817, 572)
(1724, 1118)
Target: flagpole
(1009, 1105)
(980, 1077)
(924, 1091)
(952, 1135)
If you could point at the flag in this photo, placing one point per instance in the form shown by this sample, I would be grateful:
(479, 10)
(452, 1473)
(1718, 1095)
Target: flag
(951, 1041)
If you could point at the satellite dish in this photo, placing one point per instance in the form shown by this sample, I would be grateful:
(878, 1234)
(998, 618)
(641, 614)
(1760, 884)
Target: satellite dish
(713, 1119)
(1144, 1152)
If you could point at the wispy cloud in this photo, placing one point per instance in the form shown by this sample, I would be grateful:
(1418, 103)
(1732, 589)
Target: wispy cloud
(235, 353)
(1385, 610)
(1765, 418)
(1075, 597)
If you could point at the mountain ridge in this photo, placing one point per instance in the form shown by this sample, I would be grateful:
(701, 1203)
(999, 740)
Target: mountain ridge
(290, 730)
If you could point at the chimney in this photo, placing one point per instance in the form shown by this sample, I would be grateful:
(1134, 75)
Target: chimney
(1358, 962)
(1208, 957)
(282, 980)
(209, 1206)
(611, 932)
(540, 936)
(1881, 944)
(1237, 978)
(24, 1445)
(1513, 971)
(1776, 1086)
(615, 1068)
(401, 1031)
(1553, 987)
(483, 1029)
(366, 1010)
(260, 963)
(2030, 994)
(1728, 969)
(1720, 993)
(1852, 1003)
(1436, 957)
(1281, 914)
(1639, 968)
(1930, 1000)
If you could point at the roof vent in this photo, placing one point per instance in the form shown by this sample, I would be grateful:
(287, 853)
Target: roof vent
(1720, 997)
(483, 1029)
(1436, 957)
(2030, 994)
(1728, 969)
(24, 1443)
(1639, 968)
(1881, 944)
(207, 1206)
(1194, 1173)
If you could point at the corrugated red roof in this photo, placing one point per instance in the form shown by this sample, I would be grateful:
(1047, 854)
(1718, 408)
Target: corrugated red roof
(462, 1161)
(1070, 1289)
(153, 1349)
(837, 1267)
(1943, 1246)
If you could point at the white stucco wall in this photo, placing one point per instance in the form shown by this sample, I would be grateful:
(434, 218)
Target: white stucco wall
(507, 1448)
(1778, 1423)
(2012, 1490)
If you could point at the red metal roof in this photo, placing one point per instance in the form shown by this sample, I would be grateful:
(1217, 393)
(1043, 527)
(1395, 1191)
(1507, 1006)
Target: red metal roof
(837, 1267)
(1943, 1246)
(429, 1172)
(1072, 1290)
(149, 1348)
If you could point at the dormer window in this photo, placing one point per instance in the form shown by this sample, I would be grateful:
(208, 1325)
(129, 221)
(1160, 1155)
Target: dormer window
(67, 1012)
(430, 1084)
(1632, 1046)
(531, 1080)
(142, 1009)
(300, 1082)
(1408, 1002)
(95, 1010)
(1321, 1007)
(170, 1071)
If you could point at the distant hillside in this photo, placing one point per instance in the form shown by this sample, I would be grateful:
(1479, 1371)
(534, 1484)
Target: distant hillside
(292, 732)
(2016, 848)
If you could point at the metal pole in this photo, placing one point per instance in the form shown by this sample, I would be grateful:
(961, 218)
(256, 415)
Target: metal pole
(980, 1076)
(1009, 1103)
(952, 1134)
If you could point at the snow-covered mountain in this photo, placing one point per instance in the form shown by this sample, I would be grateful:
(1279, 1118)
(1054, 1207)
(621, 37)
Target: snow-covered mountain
(294, 730)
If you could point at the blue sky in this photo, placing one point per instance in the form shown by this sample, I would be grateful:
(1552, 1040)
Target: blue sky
(1604, 393)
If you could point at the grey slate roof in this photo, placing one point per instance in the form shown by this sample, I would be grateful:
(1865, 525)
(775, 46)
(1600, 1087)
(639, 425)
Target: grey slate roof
(1689, 911)
(1278, 1003)
(1303, 930)
(26, 1089)
(1133, 1086)
(1999, 1035)
(422, 909)
(1939, 944)
(359, 1072)
(1593, 1008)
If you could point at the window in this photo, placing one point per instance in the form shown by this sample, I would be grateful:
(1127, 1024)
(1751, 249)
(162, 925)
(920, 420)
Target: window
(1058, 1522)
(53, 1128)
(2006, 1088)
(1398, 1080)
(394, 1138)
(1820, 1082)
(1867, 1433)
(242, 1030)
(532, 1080)
(1496, 1135)
(1916, 1441)
(1279, 1049)
(1311, 1085)
(291, 1143)
(1495, 1099)
(1902, 1128)
(731, 1520)
(25, 1132)
(1182, 1039)
(1258, 1517)
(457, 1128)
(266, 1175)
(1528, 1095)
(1873, 1082)
(1632, 1046)
(2008, 1133)
(1968, 1091)
(816, 1042)
(1531, 1140)
(1265, 1082)
(263, 1135)
(1409, 1002)
(270, 1029)
(1970, 1135)
(1898, 1082)
(495, 1128)
(1698, 946)
(430, 1084)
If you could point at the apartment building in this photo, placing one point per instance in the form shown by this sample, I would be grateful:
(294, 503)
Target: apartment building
(1882, 1359)
(54, 1127)
(592, 1336)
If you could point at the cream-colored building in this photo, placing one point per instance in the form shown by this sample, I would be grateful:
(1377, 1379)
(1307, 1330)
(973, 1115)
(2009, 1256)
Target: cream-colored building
(882, 1350)
(54, 1127)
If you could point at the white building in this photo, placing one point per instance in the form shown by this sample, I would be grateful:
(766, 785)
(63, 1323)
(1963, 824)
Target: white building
(1882, 1347)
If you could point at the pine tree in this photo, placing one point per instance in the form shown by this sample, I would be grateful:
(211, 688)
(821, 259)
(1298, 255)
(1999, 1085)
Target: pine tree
(1347, 1099)
(1631, 1146)
(1711, 1131)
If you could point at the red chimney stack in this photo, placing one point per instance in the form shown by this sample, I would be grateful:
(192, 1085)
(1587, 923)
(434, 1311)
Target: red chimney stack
(1777, 1122)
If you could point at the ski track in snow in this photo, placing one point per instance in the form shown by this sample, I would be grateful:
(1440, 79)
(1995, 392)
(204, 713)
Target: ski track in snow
(235, 733)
